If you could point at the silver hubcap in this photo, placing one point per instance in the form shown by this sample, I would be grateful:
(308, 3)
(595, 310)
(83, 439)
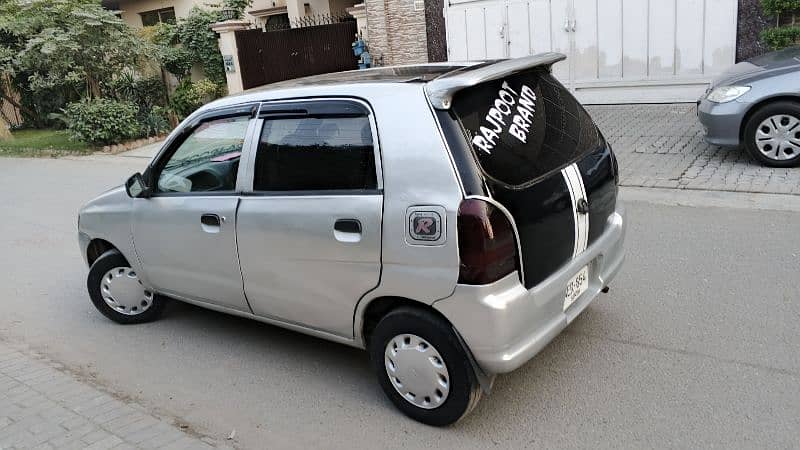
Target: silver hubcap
(778, 137)
(124, 293)
(417, 371)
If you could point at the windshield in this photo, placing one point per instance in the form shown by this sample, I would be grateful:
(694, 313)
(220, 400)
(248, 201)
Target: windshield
(524, 127)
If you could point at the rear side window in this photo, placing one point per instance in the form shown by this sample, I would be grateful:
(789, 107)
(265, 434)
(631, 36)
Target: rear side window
(524, 127)
(315, 154)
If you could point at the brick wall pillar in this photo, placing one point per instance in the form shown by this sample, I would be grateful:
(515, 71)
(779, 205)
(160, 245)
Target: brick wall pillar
(378, 41)
(752, 22)
(437, 35)
(397, 31)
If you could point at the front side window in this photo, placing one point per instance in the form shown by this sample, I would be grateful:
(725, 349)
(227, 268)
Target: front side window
(315, 154)
(208, 160)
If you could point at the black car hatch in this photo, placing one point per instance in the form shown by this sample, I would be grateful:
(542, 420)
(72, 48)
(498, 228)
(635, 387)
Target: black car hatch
(539, 154)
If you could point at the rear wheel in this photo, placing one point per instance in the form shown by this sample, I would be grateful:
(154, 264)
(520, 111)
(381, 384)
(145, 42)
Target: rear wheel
(422, 367)
(772, 134)
(118, 293)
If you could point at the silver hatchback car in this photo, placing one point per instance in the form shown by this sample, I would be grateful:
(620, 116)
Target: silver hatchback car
(450, 219)
(756, 103)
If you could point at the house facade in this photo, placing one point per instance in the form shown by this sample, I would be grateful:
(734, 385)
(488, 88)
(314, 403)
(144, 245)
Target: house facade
(262, 13)
(618, 50)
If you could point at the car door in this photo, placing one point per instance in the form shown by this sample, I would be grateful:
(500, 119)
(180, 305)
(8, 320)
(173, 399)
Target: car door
(309, 229)
(185, 232)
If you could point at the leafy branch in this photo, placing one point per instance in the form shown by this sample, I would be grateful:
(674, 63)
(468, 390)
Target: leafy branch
(779, 36)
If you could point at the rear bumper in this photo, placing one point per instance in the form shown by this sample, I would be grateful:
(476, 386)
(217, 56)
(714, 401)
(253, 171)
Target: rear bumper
(721, 121)
(505, 325)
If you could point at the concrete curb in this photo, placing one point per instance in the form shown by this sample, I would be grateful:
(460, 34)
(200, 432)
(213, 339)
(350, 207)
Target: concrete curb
(712, 199)
(130, 145)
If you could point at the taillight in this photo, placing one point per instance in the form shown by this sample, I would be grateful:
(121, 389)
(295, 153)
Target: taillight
(486, 243)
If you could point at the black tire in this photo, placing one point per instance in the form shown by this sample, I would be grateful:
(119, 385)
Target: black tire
(94, 282)
(782, 107)
(464, 388)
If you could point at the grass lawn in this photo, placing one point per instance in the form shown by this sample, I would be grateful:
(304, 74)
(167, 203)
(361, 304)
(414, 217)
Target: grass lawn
(42, 143)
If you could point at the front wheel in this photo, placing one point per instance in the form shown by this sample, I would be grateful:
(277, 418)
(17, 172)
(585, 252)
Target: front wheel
(117, 292)
(772, 134)
(422, 367)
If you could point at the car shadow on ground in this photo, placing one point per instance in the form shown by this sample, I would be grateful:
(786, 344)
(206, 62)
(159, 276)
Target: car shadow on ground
(251, 337)
(302, 354)
(249, 332)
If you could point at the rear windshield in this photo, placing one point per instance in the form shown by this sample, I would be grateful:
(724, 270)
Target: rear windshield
(524, 127)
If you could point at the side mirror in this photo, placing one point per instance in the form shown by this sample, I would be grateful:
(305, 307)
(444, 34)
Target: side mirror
(135, 186)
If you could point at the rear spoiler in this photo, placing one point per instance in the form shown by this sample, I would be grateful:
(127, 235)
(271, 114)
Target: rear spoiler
(441, 90)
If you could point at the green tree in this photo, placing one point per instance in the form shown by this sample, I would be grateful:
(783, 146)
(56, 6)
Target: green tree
(190, 42)
(238, 5)
(781, 36)
(775, 7)
(197, 37)
(57, 51)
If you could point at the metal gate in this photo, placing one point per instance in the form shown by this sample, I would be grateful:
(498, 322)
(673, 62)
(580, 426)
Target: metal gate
(269, 56)
(618, 50)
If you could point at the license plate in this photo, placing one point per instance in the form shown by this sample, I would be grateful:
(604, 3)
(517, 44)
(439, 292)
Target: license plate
(576, 286)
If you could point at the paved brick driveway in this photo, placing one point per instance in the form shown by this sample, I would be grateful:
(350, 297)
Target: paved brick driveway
(44, 407)
(662, 146)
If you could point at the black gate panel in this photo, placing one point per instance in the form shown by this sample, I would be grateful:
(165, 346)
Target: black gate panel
(267, 57)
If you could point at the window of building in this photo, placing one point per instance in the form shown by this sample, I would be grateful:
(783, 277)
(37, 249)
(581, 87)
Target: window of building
(277, 22)
(150, 18)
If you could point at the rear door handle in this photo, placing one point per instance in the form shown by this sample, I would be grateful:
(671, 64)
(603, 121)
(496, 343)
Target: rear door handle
(347, 230)
(211, 223)
(347, 226)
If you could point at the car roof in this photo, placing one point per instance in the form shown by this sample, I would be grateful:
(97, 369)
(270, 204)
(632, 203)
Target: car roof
(391, 74)
(380, 75)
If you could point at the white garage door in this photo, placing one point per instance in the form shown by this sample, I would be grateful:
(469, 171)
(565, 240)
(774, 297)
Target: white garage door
(618, 51)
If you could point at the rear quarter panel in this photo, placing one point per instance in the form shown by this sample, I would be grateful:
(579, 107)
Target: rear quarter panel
(417, 171)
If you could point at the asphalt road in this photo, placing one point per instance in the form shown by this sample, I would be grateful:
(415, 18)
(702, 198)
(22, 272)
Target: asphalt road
(696, 345)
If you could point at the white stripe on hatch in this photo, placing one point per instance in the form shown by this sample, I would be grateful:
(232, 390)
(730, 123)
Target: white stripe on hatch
(568, 180)
(577, 192)
(584, 217)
